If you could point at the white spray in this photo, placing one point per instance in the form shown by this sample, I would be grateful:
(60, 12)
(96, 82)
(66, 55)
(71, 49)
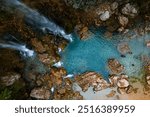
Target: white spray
(6, 43)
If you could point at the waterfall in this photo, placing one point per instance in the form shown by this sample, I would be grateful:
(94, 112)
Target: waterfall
(37, 20)
(30, 57)
(11, 42)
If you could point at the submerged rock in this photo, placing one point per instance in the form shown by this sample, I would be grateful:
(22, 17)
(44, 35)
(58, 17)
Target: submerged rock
(9, 79)
(111, 94)
(40, 93)
(148, 44)
(115, 66)
(123, 48)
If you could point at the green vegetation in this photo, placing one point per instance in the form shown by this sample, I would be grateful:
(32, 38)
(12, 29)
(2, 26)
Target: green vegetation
(16, 91)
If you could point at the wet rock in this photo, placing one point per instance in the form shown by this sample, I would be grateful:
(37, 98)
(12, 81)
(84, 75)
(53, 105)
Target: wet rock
(105, 16)
(123, 48)
(40, 93)
(108, 34)
(9, 79)
(83, 32)
(129, 10)
(111, 94)
(140, 31)
(115, 66)
(62, 46)
(145, 59)
(38, 45)
(91, 79)
(123, 20)
(148, 44)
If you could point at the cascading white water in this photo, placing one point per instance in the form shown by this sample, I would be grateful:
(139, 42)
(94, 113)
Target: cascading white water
(6, 43)
(36, 19)
(30, 57)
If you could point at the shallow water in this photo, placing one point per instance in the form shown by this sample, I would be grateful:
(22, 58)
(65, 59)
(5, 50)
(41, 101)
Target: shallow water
(92, 54)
